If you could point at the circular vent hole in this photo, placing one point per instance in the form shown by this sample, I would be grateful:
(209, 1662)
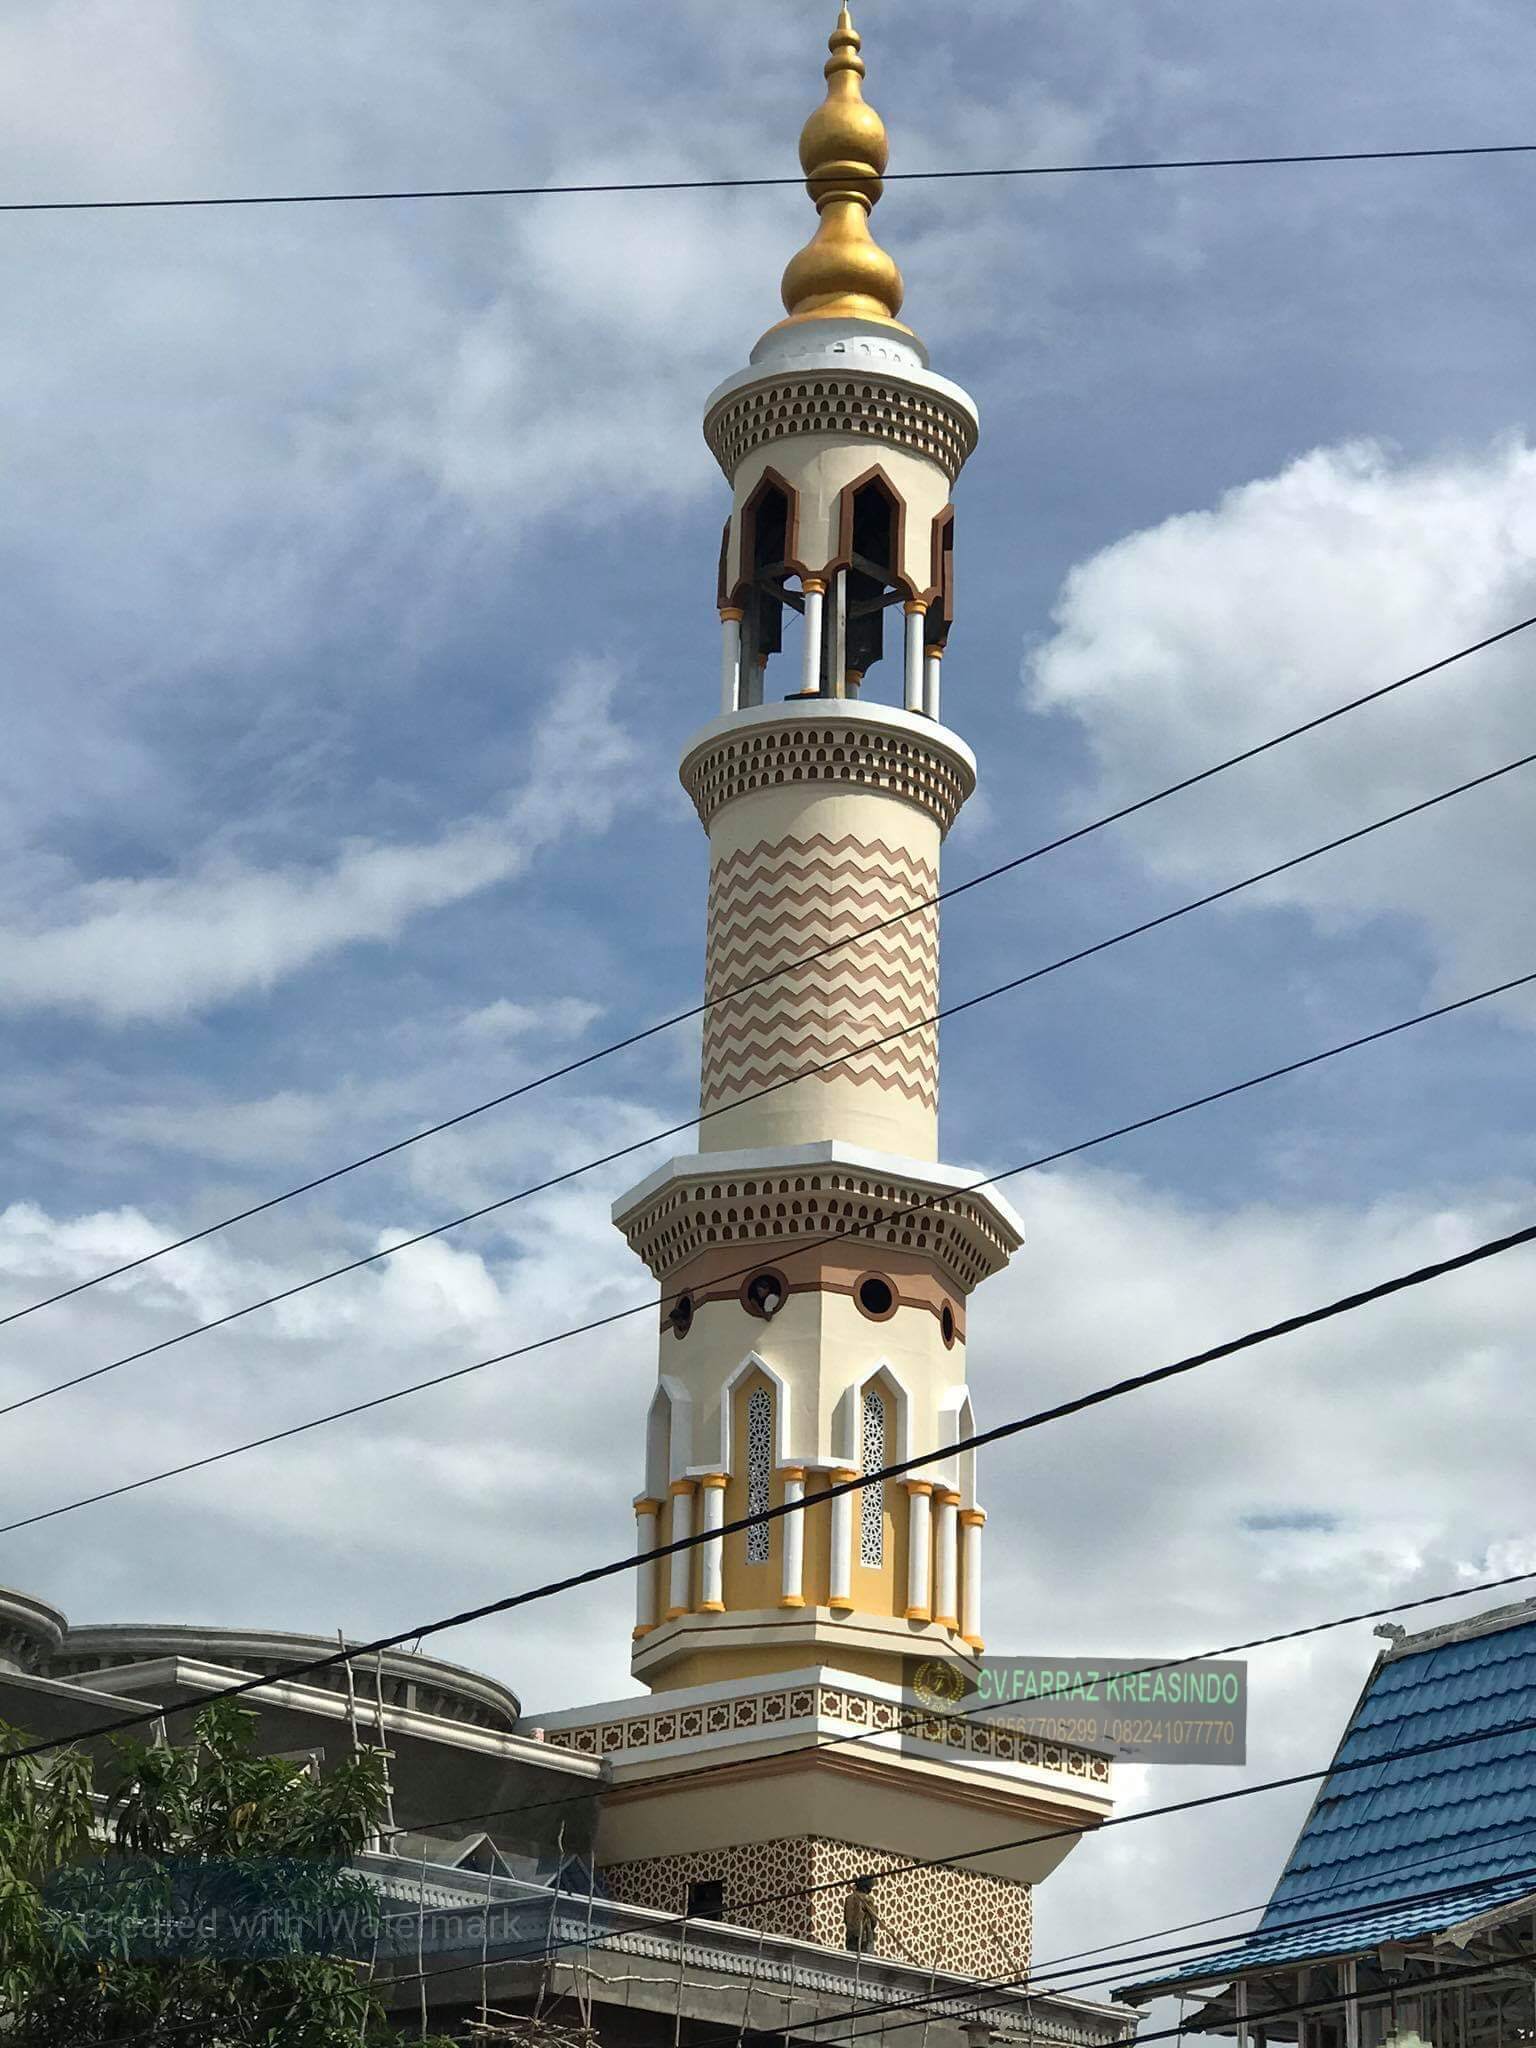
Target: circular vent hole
(877, 1297)
(764, 1294)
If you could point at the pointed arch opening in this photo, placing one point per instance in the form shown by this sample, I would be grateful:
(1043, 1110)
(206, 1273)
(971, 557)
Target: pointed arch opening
(871, 542)
(768, 521)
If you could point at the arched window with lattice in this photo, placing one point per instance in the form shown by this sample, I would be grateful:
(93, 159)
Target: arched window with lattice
(759, 1470)
(872, 1499)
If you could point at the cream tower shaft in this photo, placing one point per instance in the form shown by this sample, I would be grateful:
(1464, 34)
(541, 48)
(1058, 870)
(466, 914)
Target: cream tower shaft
(817, 1258)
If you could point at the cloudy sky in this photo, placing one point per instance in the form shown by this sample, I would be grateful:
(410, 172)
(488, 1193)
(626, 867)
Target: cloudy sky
(357, 567)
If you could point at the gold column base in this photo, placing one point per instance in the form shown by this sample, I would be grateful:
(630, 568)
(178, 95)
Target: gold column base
(791, 1600)
(947, 1621)
(918, 1614)
(672, 1613)
(710, 1607)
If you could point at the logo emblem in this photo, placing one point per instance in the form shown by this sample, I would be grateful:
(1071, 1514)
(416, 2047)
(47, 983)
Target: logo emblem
(938, 1684)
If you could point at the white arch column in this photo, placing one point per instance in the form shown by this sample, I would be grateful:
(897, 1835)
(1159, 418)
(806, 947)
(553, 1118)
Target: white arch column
(919, 1547)
(646, 1512)
(711, 1552)
(730, 658)
(840, 1589)
(815, 589)
(916, 612)
(946, 1558)
(933, 662)
(682, 1560)
(792, 1536)
(972, 1521)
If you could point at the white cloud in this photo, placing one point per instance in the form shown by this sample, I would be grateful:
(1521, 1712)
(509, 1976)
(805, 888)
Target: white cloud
(166, 947)
(1196, 637)
(1130, 1531)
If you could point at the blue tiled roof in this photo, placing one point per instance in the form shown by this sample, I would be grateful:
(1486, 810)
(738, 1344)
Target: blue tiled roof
(1459, 1823)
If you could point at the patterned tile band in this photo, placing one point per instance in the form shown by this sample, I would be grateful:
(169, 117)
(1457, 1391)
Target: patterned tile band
(897, 762)
(942, 1918)
(961, 1235)
(781, 901)
(971, 1736)
(922, 422)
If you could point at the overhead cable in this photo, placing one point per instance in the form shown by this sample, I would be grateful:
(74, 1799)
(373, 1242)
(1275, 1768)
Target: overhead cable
(794, 966)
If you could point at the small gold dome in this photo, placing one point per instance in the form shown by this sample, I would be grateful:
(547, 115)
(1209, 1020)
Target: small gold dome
(843, 273)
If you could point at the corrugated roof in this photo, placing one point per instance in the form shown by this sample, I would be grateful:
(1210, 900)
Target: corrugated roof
(1458, 1824)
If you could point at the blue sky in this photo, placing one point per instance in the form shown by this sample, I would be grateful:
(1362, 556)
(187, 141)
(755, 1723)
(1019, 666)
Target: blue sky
(358, 572)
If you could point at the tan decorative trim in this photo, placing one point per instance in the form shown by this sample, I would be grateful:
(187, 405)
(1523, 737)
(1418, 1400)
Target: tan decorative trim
(915, 607)
(921, 422)
(877, 758)
(915, 1487)
(675, 1614)
(679, 1487)
(714, 1482)
(791, 1600)
(644, 1505)
(840, 1605)
(842, 1475)
(814, 586)
(825, 1271)
(973, 1518)
(792, 1472)
(918, 1614)
(947, 1621)
(710, 1607)
(946, 1496)
(976, 1643)
(646, 1628)
(732, 612)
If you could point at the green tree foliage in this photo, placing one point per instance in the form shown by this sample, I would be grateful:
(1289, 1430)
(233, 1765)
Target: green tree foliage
(194, 1894)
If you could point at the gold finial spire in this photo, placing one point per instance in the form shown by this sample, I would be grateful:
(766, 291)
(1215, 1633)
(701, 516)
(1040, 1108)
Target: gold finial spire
(843, 273)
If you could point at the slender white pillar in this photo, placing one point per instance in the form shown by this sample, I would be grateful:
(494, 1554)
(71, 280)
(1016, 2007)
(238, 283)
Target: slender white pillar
(837, 681)
(646, 1511)
(712, 1599)
(815, 604)
(840, 1590)
(730, 659)
(946, 1559)
(932, 664)
(682, 1560)
(916, 613)
(792, 1535)
(919, 1547)
(971, 1520)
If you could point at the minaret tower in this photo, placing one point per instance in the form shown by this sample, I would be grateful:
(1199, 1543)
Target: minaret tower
(816, 1260)
(826, 786)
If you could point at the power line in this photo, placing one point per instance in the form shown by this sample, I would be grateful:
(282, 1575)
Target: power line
(956, 1009)
(739, 1273)
(925, 2001)
(614, 187)
(1523, 1726)
(1348, 1304)
(773, 974)
(1472, 1969)
(984, 1990)
(910, 1715)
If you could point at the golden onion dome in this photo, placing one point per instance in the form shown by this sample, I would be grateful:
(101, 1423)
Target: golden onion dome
(842, 272)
